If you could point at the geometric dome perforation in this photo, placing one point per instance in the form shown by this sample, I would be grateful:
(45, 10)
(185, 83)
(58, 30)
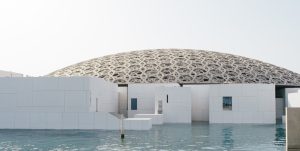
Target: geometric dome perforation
(180, 66)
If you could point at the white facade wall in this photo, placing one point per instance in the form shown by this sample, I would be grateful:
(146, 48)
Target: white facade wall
(292, 97)
(106, 93)
(200, 102)
(145, 94)
(177, 108)
(251, 103)
(57, 103)
(76, 94)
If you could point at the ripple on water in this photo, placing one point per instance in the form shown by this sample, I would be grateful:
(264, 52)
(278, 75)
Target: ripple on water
(167, 137)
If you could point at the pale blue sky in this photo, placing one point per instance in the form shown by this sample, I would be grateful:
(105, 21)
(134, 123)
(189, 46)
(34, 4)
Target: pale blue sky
(38, 37)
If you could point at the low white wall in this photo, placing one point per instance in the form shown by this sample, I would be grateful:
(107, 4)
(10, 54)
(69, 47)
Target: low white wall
(177, 108)
(200, 102)
(50, 102)
(58, 120)
(157, 119)
(292, 97)
(138, 123)
(63, 120)
(44, 95)
(251, 103)
(145, 94)
(49, 94)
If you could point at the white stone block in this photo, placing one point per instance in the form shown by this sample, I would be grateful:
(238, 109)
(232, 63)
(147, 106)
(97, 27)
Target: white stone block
(44, 109)
(212, 117)
(269, 117)
(22, 120)
(237, 118)
(86, 120)
(217, 117)
(25, 98)
(38, 120)
(9, 84)
(48, 98)
(54, 120)
(22, 84)
(265, 105)
(100, 120)
(112, 122)
(76, 98)
(7, 120)
(72, 109)
(127, 124)
(157, 119)
(258, 117)
(74, 83)
(45, 83)
(106, 107)
(8, 100)
(137, 123)
(214, 91)
(70, 121)
(250, 90)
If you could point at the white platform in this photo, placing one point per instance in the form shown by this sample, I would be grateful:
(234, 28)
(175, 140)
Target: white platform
(157, 119)
(58, 120)
(137, 124)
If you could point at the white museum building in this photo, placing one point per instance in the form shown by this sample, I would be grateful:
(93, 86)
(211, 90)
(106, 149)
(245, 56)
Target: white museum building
(150, 87)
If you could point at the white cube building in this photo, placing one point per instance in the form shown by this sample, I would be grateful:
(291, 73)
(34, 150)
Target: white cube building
(151, 87)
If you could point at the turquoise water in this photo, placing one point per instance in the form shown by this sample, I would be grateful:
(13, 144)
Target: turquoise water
(198, 136)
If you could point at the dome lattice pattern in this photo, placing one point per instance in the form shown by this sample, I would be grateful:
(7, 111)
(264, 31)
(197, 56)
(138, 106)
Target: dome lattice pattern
(180, 66)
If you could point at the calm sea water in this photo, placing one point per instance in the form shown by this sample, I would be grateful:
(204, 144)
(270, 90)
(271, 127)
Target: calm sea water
(198, 136)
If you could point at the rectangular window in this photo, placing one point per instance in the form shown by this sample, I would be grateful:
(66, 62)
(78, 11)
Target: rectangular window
(227, 103)
(133, 103)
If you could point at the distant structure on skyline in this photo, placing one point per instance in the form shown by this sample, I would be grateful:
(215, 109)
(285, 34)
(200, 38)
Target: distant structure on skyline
(10, 74)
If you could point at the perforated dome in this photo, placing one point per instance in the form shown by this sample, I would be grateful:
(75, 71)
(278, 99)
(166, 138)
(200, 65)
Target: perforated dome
(180, 66)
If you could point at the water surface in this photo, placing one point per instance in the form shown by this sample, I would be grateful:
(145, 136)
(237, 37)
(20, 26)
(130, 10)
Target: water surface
(198, 136)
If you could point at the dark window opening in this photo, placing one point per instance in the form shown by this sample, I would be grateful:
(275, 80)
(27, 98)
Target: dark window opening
(167, 98)
(133, 103)
(227, 103)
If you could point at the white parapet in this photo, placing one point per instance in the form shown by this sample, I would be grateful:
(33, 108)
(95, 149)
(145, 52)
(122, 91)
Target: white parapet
(157, 119)
(137, 124)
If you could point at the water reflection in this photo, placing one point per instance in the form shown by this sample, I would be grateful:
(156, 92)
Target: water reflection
(227, 138)
(246, 137)
(280, 136)
(198, 136)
